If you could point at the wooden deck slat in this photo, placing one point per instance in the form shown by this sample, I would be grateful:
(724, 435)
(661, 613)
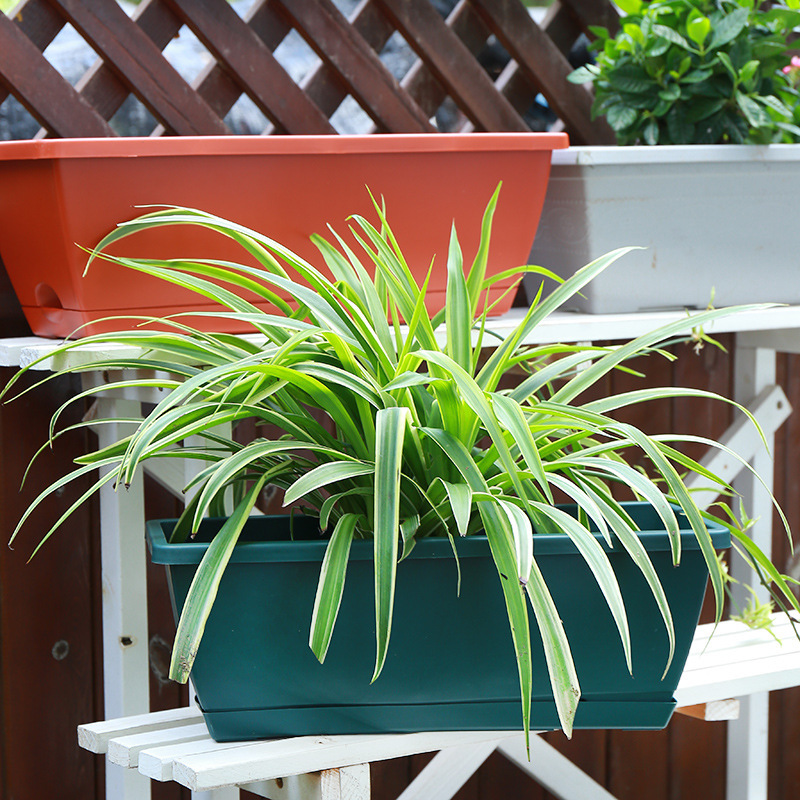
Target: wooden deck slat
(531, 48)
(176, 745)
(369, 81)
(48, 97)
(236, 46)
(125, 750)
(125, 47)
(95, 736)
(453, 65)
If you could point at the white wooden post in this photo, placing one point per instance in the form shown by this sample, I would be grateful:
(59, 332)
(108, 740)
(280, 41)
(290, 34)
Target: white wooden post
(748, 737)
(125, 637)
(189, 470)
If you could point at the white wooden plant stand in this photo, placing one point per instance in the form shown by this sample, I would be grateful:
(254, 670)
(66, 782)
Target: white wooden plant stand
(760, 334)
(175, 745)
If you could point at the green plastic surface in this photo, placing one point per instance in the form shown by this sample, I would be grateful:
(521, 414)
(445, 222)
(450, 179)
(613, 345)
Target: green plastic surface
(451, 663)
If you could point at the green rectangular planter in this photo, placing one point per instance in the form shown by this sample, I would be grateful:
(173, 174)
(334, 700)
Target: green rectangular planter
(451, 663)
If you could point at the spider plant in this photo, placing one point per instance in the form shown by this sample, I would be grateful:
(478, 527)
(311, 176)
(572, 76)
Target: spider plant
(421, 440)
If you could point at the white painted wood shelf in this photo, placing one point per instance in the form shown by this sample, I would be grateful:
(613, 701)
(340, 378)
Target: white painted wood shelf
(175, 745)
(561, 326)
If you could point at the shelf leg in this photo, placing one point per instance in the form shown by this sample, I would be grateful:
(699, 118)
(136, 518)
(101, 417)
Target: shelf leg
(748, 737)
(125, 659)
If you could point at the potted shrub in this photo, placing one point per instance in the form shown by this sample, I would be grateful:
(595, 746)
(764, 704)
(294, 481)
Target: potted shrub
(78, 189)
(430, 501)
(704, 99)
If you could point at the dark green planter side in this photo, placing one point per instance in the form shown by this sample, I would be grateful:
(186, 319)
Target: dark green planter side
(451, 663)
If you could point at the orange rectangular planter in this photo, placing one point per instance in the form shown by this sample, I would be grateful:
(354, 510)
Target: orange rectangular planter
(58, 195)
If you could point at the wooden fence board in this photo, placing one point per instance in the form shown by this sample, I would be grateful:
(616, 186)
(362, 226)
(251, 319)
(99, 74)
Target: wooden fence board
(101, 86)
(448, 64)
(40, 88)
(541, 59)
(421, 82)
(339, 44)
(453, 64)
(41, 24)
(235, 45)
(323, 85)
(215, 83)
(125, 47)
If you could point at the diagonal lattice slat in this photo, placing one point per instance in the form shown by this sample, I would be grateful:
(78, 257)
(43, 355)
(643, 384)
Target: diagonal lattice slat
(453, 65)
(236, 47)
(100, 84)
(345, 50)
(125, 47)
(42, 90)
(542, 60)
(445, 56)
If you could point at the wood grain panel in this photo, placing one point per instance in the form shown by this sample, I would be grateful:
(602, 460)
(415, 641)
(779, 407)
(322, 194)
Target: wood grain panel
(47, 619)
(369, 81)
(541, 59)
(453, 65)
(232, 42)
(40, 23)
(140, 64)
(48, 97)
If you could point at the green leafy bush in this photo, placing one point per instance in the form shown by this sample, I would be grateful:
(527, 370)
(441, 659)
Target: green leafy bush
(697, 72)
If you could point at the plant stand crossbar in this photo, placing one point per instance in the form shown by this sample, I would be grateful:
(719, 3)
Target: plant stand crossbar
(175, 745)
(760, 334)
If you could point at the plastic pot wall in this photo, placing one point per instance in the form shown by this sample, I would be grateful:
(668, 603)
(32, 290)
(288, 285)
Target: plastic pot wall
(451, 663)
(715, 222)
(58, 194)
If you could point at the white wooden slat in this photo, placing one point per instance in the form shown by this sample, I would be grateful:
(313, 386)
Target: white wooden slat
(449, 770)
(749, 645)
(124, 603)
(295, 787)
(110, 383)
(738, 681)
(748, 653)
(732, 634)
(748, 737)
(738, 661)
(722, 710)
(95, 736)
(553, 771)
(124, 750)
(169, 473)
(280, 758)
(713, 711)
(11, 349)
(156, 762)
(560, 326)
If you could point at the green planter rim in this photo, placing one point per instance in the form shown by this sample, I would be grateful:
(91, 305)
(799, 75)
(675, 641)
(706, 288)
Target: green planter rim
(310, 546)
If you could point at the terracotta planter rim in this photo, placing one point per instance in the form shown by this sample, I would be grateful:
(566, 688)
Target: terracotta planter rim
(133, 146)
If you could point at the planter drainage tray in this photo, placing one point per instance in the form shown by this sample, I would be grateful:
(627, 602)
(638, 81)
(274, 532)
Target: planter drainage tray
(451, 663)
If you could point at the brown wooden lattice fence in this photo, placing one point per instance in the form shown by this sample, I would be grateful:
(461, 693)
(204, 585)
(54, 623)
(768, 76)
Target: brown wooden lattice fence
(242, 61)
